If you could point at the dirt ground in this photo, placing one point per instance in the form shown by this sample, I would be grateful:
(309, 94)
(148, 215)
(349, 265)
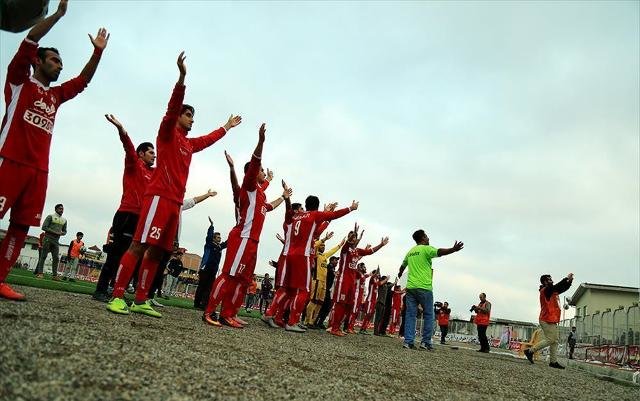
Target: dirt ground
(64, 346)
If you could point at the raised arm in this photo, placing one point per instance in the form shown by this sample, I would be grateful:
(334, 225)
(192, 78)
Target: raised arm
(286, 193)
(235, 187)
(99, 43)
(457, 246)
(250, 180)
(129, 150)
(43, 27)
(209, 194)
(368, 251)
(328, 216)
(203, 142)
(170, 118)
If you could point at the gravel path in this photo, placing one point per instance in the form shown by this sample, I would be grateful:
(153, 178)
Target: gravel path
(63, 346)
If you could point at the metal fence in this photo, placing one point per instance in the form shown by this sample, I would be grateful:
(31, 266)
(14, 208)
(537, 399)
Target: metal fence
(620, 326)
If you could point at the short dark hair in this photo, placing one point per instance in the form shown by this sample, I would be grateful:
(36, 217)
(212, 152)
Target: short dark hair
(418, 235)
(58, 205)
(79, 233)
(544, 278)
(333, 258)
(186, 107)
(216, 233)
(312, 203)
(296, 206)
(144, 146)
(42, 52)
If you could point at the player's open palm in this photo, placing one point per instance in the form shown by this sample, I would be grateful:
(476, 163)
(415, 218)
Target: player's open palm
(101, 39)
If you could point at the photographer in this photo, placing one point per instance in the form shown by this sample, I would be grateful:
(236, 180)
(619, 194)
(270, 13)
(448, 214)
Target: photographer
(483, 315)
(442, 313)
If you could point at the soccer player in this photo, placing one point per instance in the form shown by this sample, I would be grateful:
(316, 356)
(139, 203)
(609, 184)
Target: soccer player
(25, 133)
(296, 272)
(396, 308)
(372, 297)
(160, 213)
(345, 291)
(138, 167)
(242, 243)
(319, 281)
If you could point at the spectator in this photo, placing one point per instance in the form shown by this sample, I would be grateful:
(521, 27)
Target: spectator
(266, 288)
(251, 293)
(571, 340)
(213, 247)
(174, 268)
(76, 248)
(443, 314)
(482, 319)
(54, 227)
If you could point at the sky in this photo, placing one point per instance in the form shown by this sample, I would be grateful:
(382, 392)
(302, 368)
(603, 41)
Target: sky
(511, 126)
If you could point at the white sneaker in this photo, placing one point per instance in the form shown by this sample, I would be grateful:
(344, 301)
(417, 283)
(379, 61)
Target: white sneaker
(153, 302)
(295, 329)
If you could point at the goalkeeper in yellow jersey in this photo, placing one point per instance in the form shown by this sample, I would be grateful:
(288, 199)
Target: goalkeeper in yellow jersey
(319, 280)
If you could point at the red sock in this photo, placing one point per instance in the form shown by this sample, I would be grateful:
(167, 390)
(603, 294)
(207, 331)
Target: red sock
(217, 293)
(125, 271)
(146, 275)
(10, 248)
(338, 315)
(279, 296)
(233, 298)
(298, 304)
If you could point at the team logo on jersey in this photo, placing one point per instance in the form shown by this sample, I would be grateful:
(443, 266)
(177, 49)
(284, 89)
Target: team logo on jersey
(50, 110)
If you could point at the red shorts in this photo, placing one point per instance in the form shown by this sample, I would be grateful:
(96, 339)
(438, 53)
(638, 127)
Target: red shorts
(23, 190)
(240, 260)
(158, 222)
(297, 272)
(345, 289)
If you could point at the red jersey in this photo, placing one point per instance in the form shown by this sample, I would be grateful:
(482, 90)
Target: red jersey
(396, 303)
(304, 227)
(25, 134)
(349, 258)
(175, 150)
(372, 295)
(253, 203)
(135, 178)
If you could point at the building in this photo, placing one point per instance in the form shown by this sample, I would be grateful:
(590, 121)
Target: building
(593, 298)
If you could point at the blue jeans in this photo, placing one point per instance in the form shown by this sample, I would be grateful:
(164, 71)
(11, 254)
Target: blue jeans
(413, 297)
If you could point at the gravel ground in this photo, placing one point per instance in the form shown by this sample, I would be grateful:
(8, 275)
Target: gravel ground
(63, 346)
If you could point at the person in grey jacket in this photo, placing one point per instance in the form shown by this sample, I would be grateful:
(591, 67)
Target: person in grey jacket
(54, 227)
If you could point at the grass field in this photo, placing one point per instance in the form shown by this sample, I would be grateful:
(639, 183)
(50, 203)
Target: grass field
(65, 346)
(26, 278)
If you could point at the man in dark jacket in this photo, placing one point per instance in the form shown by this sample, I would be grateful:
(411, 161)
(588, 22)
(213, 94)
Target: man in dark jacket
(328, 300)
(265, 293)
(213, 247)
(383, 309)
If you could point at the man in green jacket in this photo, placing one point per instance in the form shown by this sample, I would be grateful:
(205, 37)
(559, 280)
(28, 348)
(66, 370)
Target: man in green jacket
(54, 227)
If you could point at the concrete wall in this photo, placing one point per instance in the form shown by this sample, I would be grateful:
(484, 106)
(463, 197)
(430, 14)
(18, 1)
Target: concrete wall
(599, 300)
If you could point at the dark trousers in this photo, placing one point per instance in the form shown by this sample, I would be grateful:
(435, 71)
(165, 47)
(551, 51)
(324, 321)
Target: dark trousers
(572, 347)
(482, 337)
(325, 309)
(380, 325)
(122, 230)
(444, 330)
(264, 302)
(402, 315)
(205, 281)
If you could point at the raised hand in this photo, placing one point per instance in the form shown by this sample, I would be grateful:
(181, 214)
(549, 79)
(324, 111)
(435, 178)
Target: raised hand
(287, 193)
(384, 241)
(233, 121)
(181, 66)
(354, 206)
(328, 236)
(211, 193)
(62, 8)
(262, 132)
(113, 120)
(229, 159)
(570, 276)
(330, 207)
(458, 245)
(101, 39)
(342, 242)
(269, 175)
(210, 221)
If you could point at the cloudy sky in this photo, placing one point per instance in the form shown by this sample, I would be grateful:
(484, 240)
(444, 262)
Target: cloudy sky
(511, 126)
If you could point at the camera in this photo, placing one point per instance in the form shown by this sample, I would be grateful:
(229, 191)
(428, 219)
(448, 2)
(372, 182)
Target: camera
(472, 309)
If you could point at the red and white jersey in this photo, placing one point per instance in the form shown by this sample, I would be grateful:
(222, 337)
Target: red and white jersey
(349, 258)
(303, 229)
(135, 178)
(174, 151)
(372, 294)
(396, 302)
(252, 202)
(27, 126)
(286, 227)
